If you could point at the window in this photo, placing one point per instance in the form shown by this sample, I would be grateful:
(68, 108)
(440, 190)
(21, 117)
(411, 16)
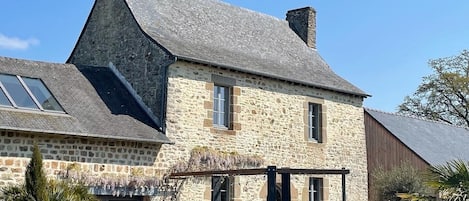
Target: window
(3, 98)
(17, 92)
(221, 106)
(221, 188)
(23, 92)
(315, 189)
(314, 122)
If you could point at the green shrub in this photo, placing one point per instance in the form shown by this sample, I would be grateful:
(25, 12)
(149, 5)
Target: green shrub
(35, 179)
(402, 179)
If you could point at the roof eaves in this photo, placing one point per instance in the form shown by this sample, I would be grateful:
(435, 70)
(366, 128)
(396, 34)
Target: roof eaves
(189, 59)
(164, 141)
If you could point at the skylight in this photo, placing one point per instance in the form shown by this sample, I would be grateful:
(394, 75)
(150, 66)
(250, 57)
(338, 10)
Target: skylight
(28, 93)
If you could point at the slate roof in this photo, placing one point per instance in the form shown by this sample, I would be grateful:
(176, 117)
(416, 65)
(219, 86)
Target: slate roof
(105, 110)
(216, 33)
(435, 142)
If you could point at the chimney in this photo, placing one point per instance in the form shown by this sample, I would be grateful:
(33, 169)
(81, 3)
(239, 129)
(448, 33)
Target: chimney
(303, 22)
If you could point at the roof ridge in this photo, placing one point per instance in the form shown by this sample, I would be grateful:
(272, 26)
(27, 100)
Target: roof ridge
(416, 117)
(271, 49)
(250, 10)
(32, 61)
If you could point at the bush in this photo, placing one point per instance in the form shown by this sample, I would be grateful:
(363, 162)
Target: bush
(402, 179)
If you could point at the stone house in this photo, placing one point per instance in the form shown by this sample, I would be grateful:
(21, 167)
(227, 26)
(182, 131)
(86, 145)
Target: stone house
(393, 139)
(150, 82)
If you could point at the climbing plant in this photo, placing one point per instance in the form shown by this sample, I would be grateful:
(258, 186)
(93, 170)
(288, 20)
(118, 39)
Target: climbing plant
(204, 158)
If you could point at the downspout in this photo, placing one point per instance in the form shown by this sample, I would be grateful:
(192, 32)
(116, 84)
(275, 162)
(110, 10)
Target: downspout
(164, 95)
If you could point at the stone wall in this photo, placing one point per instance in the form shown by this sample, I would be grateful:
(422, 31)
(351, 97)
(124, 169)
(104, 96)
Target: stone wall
(271, 125)
(270, 118)
(111, 35)
(93, 157)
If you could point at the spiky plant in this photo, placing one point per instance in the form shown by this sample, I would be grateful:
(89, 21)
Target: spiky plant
(15, 193)
(451, 179)
(67, 191)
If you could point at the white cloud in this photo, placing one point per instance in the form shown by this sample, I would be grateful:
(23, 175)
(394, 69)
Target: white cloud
(14, 43)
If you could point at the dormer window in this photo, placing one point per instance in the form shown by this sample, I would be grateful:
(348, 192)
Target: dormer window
(27, 93)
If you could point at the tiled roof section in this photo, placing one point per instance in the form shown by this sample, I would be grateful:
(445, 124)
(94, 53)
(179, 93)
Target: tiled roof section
(435, 142)
(89, 110)
(216, 33)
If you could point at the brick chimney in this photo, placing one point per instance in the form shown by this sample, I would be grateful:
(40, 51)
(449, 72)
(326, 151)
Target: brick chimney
(303, 22)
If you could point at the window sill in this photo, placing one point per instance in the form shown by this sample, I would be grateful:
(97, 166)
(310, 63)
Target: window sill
(314, 143)
(221, 130)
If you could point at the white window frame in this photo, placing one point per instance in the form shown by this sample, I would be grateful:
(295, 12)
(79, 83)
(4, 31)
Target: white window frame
(315, 122)
(222, 102)
(315, 189)
(29, 93)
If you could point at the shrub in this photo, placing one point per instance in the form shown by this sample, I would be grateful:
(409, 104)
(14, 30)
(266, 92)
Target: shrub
(402, 179)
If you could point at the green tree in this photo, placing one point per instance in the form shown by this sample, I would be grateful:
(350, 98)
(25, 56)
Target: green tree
(451, 179)
(400, 180)
(443, 95)
(35, 179)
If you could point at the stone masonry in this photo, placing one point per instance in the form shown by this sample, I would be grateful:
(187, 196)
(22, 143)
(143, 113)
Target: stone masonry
(268, 121)
(95, 157)
(270, 114)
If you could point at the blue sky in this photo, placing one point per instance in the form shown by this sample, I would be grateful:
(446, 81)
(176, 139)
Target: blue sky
(380, 46)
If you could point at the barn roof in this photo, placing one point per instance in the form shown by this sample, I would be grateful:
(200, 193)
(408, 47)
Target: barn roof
(436, 142)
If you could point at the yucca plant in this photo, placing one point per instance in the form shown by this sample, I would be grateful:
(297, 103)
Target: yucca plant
(67, 191)
(451, 179)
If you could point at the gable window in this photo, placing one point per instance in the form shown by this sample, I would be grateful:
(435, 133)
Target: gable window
(314, 122)
(23, 92)
(221, 106)
(221, 188)
(315, 189)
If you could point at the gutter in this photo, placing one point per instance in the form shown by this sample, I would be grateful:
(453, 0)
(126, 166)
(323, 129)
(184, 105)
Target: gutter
(164, 141)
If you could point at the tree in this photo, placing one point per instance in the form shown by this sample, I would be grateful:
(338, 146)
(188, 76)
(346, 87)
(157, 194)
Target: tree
(35, 179)
(444, 95)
